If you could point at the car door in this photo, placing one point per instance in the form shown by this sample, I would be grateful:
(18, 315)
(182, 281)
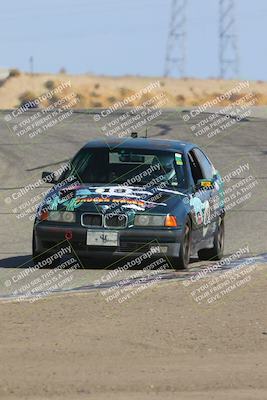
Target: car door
(201, 197)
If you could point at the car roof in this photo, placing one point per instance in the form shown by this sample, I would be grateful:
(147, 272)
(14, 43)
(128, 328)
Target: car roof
(142, 143)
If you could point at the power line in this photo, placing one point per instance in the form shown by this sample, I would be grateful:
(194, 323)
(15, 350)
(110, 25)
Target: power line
(175, 61)
(229, 58)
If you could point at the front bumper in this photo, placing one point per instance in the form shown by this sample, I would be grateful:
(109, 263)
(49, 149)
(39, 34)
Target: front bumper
(131, 241)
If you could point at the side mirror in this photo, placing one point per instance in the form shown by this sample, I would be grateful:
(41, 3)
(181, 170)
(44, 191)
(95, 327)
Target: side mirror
(48, 177)
(205, 184)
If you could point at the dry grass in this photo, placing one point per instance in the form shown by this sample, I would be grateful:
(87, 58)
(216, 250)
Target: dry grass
(102, 91)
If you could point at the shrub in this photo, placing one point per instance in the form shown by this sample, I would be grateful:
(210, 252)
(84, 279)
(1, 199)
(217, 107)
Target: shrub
(14, 73)
(124, 92)
(27, 97)
(50, 85)
(180, 99)
(96, 104)
(82, 101)
(94, 94)
(112, 99)
(53, 100)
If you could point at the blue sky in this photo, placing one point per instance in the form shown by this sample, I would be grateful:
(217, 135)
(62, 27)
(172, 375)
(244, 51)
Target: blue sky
(120, 37)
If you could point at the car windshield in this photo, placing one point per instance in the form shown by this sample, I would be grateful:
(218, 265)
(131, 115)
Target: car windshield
(129, 167)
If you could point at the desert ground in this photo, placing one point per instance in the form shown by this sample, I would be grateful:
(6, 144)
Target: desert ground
(103, 91)
(159, 345)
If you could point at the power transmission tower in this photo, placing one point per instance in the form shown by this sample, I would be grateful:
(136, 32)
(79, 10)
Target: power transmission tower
(176, 46)
(229, 58)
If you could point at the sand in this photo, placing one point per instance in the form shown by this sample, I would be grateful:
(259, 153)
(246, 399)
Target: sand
(159, 345)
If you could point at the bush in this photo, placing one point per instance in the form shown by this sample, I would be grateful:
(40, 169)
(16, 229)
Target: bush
(97, 86)
(96, 104)
(82, 101)
(27, 97)
(94, 94)
(14, 73)
(50, 85)
(180, 99)
(111, 99)
(125, 92)
(53, 100)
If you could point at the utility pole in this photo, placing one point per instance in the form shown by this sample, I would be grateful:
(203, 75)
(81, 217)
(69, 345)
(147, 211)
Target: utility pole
(175, 61)
(31, 64)
(229, 58)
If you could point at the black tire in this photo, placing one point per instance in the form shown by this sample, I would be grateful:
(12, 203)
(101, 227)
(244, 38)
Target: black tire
(36, 257)
(183, 260)
(216, 252)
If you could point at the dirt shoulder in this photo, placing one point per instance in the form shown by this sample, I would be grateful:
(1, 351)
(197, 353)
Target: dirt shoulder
(159, 345)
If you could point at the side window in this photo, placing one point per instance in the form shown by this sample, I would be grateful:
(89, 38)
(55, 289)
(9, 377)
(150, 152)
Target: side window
(195, 167)
(205, 164)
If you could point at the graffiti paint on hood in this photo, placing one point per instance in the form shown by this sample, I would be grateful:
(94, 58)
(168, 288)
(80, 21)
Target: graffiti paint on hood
(131, 198)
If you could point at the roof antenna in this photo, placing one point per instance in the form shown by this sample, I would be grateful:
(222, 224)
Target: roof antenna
(146, 133)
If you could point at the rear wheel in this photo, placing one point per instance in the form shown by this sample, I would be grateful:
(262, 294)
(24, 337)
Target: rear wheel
(216, 252)
(182, 261)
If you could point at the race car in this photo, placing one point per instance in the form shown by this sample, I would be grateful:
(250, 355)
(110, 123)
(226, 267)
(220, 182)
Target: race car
(124, 197)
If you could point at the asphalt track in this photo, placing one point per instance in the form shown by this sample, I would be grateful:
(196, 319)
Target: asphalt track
(23, 159)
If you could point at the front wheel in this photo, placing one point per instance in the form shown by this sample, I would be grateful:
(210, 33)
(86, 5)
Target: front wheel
(182, 261)
(216, 252)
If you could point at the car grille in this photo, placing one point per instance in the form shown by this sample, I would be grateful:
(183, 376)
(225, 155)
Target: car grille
(92, 220)
(111, 221)
(116, 221)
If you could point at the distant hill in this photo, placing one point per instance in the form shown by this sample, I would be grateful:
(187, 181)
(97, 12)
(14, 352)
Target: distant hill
(102, 91)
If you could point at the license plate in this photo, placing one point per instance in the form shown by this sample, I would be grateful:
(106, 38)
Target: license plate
(101, 238)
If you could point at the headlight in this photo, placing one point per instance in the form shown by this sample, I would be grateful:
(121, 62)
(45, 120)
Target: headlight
(149, 220)
(155, 220)
(61, 216)
(53, 216)
(68, 216)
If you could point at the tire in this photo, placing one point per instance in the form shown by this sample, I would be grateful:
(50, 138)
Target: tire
(183, 260)
(36, 257)
(216, 252)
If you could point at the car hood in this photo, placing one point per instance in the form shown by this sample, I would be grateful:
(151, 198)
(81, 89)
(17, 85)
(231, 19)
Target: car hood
(104, 199)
